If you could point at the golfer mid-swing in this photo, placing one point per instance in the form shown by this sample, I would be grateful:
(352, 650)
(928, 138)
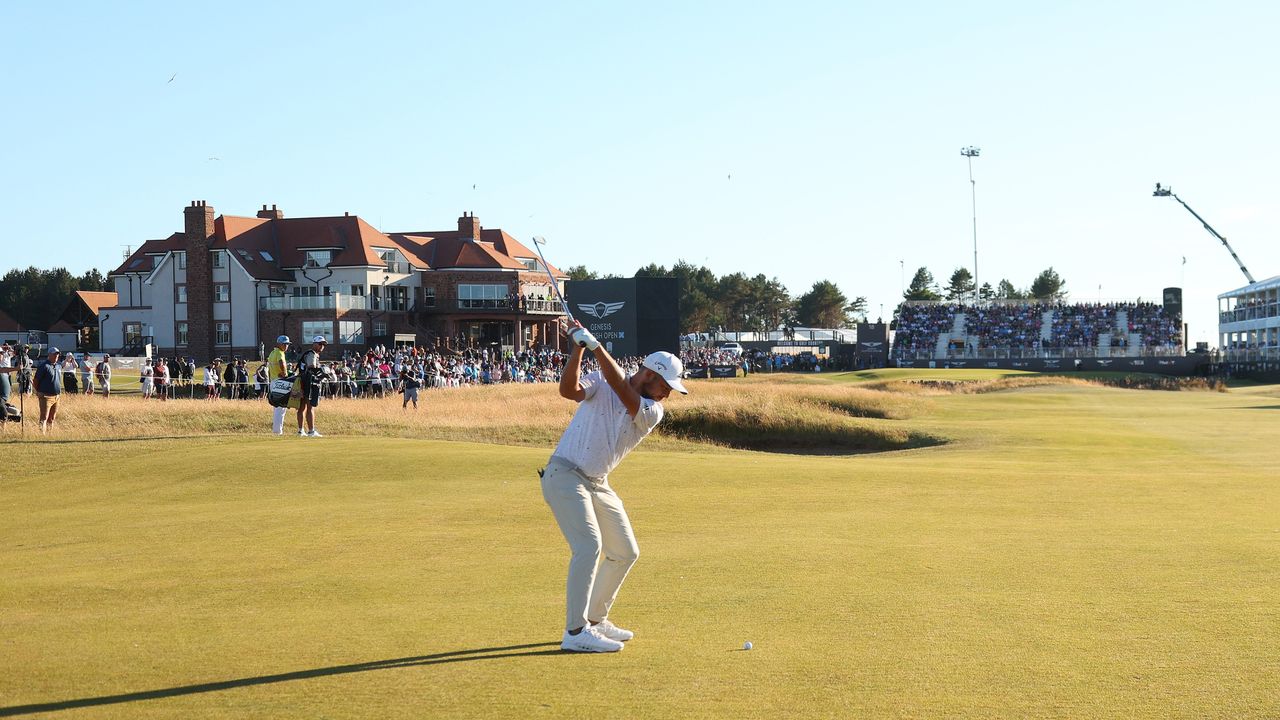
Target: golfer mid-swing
(614, 414)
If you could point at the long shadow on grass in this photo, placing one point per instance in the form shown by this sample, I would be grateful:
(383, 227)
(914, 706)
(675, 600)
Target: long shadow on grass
(404, 662)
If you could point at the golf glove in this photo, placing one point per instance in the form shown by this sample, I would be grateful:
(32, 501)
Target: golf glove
(583, 338)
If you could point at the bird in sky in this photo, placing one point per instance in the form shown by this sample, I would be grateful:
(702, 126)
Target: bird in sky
(171, 77)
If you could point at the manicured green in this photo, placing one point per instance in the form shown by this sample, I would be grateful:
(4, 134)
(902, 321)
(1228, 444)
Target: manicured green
(1071, 552)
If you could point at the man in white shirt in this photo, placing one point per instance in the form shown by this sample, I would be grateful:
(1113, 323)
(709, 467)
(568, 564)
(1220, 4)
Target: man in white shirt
(614, 414)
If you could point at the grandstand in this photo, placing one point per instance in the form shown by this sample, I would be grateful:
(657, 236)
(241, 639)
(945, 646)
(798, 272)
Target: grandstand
(1032, 334)
(1249, 326)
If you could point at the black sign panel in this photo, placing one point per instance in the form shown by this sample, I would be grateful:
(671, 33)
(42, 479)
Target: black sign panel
(629, 316)
(724, 371)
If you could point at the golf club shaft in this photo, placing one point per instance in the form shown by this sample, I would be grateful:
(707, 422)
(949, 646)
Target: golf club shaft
(554, 284)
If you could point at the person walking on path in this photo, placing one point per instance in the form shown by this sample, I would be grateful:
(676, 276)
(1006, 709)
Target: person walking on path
(278, 367)
(48, 385)
(614, 414)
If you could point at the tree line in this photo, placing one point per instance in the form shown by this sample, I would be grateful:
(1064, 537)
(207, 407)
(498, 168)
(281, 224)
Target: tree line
(740, 303)
(35, 298)
(1048, 285)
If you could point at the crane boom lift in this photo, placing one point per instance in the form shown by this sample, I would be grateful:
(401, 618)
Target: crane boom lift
(1168, 192)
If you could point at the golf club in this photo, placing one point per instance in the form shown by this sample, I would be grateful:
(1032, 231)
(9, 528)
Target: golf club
(538, 242)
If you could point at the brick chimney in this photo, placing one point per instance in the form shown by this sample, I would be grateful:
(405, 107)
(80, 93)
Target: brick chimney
(469, 226)
(198, 228)
(272, 214)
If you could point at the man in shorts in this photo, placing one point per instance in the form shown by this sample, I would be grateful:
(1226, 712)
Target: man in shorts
(310, 373)
(48, 386)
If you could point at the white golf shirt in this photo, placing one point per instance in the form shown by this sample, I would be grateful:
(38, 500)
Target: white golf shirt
(601, 432)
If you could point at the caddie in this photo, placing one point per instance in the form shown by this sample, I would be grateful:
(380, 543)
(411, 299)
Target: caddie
(278, 367)
(615, 412)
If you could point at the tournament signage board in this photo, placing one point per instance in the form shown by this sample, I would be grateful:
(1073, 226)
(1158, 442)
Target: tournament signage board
(629, 316)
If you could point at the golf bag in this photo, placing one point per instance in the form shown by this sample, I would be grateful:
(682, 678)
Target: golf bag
(280, 390)
(9, 413)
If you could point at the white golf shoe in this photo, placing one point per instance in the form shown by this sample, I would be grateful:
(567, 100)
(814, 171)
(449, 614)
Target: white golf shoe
(589, 640)
(611, 631)
(314, 433)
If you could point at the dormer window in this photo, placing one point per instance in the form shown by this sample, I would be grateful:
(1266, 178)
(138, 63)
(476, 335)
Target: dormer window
(219, 259)
(318, 258)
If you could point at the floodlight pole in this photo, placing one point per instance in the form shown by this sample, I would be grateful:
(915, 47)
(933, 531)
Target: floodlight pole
(970, 153)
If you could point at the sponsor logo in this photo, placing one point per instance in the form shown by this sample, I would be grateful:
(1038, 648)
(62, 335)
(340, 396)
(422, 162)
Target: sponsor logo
(601, 309)
(1166, 362)
(1052, 363)
(993, 364)
(873, 345)
(1105, 363)
(1137, 363)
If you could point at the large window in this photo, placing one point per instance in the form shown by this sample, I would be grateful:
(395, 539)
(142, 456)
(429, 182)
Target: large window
(312, 328)
(379, 328)
(180, 334)
(219, 258)
(132, 333)
(222, 333)
(221, 292)
(398, 298)
(351, 332)
(318, 258)
(180, 294)
(429, 296)
(357, 290)
(483, 296)
(182, 259)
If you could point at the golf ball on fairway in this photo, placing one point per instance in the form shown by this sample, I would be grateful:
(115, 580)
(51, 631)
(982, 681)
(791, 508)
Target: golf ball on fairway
(746, 645)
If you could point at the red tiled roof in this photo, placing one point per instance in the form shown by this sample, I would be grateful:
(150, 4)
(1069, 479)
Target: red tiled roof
(136, 263)
(8, 324)
(95, 301)
(286, 240)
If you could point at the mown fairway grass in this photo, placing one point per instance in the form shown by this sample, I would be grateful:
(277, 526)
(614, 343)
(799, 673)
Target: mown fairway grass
(1073, 551)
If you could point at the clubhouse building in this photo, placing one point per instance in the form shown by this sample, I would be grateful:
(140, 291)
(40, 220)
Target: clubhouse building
(228, 285)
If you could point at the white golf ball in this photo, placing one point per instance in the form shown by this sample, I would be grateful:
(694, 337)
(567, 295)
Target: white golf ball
(746, 645)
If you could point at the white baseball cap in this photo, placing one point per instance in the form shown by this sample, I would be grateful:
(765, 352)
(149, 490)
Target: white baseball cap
(282, 340)
(669, 367)
(319, 339)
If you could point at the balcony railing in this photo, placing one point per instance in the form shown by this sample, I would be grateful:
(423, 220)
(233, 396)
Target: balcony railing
(1041, 353)
(315, 302)
(504, 305)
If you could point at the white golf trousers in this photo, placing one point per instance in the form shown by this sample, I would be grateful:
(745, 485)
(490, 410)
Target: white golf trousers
(591, 516)
(277, 419)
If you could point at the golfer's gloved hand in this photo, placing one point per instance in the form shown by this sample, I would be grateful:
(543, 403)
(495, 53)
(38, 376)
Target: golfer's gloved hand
(583, 338)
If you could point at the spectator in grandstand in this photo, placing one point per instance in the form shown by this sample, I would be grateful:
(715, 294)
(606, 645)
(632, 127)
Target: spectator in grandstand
(311, 373)
(103, 374)
(48, 387)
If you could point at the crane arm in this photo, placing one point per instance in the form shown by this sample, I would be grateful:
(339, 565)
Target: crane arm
(1225, 244)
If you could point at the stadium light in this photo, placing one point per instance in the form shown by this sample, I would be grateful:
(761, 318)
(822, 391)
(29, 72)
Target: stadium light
(970, 153)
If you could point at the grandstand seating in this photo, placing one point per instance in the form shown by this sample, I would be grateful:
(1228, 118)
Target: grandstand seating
(1030, 329)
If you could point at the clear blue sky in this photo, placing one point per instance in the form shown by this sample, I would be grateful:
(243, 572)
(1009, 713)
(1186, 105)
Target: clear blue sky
(614, 131)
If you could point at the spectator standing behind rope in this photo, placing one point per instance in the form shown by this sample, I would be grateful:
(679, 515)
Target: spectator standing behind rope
(310, 372)
(48, 386)
(103, 373)
(86, 373)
